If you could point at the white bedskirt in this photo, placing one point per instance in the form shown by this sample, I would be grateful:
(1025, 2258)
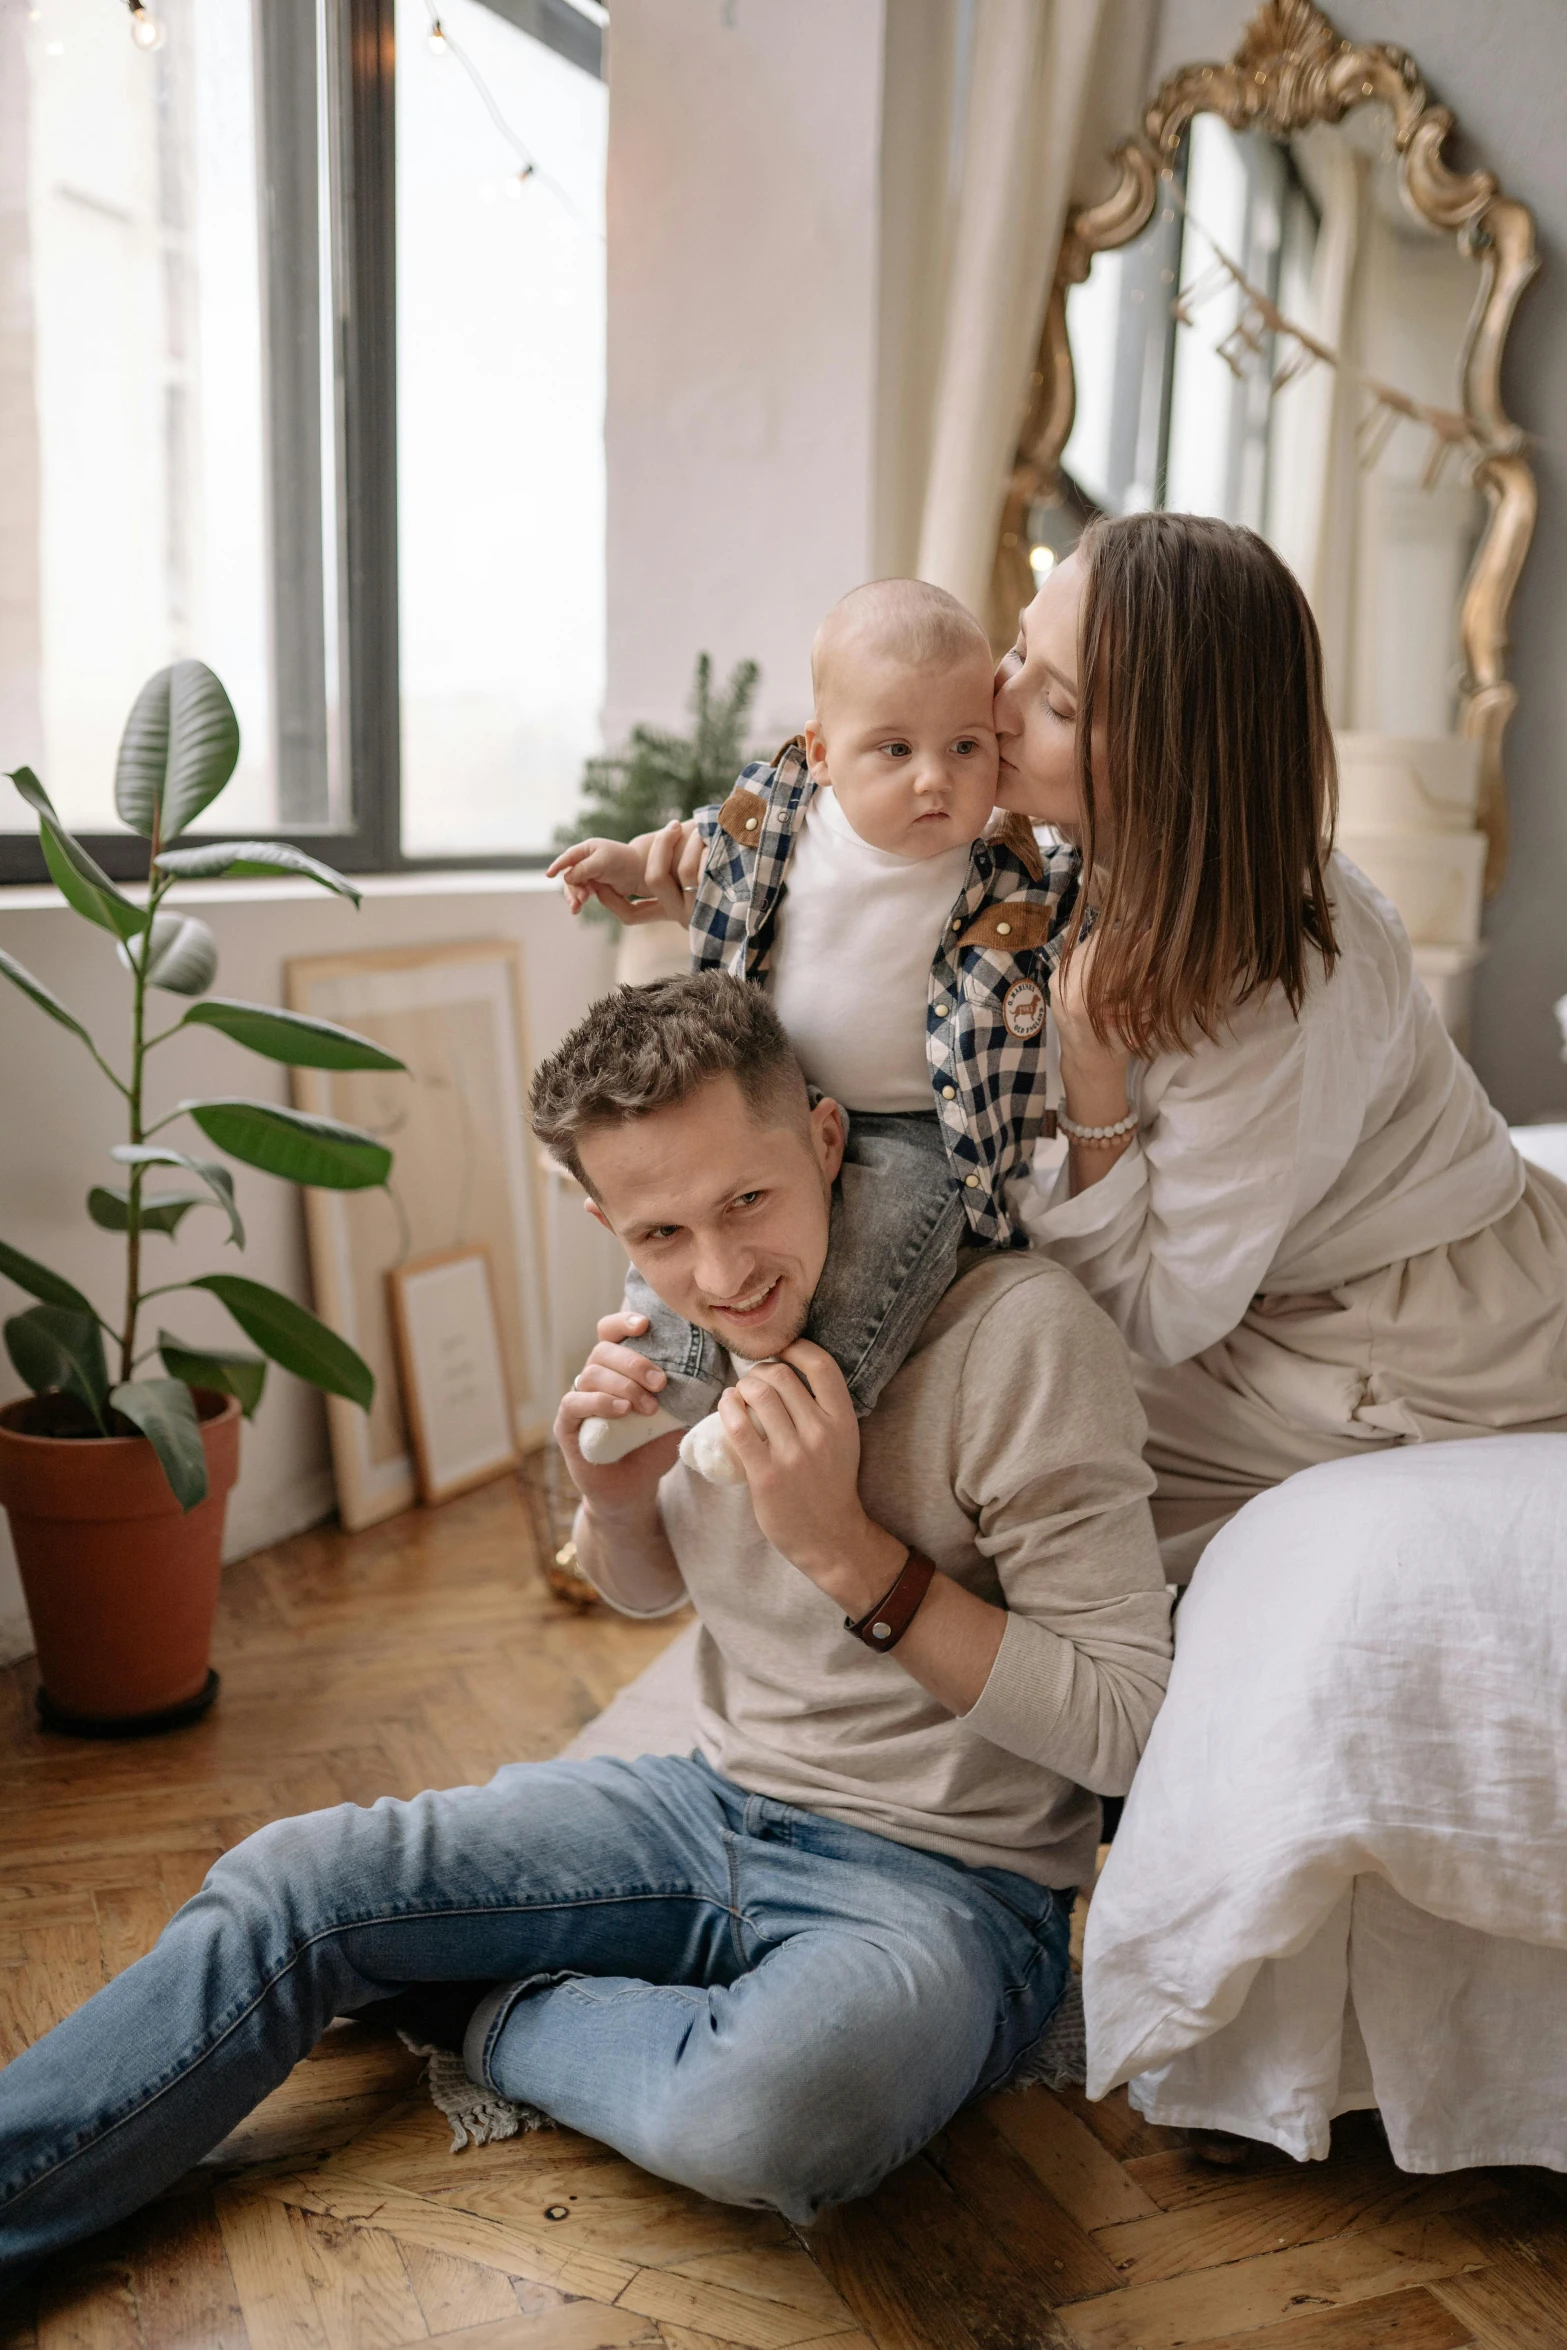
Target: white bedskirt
(1341, 1877)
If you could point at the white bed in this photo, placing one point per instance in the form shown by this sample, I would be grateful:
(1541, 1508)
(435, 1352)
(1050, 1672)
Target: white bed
(1341, 1876)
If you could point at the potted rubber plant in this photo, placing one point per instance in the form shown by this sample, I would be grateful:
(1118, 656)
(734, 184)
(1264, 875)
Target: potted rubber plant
(115, 1467)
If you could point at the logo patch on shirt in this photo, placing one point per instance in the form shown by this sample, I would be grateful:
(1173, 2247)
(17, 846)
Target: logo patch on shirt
(1023, 1010)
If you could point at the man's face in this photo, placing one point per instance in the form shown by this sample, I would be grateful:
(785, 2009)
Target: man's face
(726, 1219)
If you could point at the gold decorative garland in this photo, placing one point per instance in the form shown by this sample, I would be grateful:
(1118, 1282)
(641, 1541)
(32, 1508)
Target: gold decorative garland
(1292, 69)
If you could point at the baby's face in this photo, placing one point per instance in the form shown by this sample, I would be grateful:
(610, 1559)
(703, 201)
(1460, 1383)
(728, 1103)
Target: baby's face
(911, 753)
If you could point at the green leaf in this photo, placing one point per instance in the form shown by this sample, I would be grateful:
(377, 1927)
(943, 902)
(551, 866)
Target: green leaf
(162, 1409)
(43, 997)
(249, 860)
(293, 1338)
(293, 1144)
(38, 1281)
(179, 749)
(231, 1374)
(80, 882)
(56, 1348)
(217, 1179)
(290, 1036)
(109, 1205)
(182, 955)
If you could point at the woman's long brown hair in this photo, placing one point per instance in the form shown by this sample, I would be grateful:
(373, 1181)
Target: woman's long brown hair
(1212, 800)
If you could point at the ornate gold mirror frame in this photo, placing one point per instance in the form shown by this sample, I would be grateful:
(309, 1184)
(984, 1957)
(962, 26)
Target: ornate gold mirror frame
(1292, 69)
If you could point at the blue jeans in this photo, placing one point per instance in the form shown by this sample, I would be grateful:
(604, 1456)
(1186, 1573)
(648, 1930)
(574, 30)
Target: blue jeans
(750, 1999)
(897, 1226)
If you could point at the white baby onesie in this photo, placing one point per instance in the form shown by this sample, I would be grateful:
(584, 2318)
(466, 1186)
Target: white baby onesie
(853, 943)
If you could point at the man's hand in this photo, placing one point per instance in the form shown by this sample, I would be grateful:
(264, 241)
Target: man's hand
(614, 1381)
(799, 1446)
(621, 1543)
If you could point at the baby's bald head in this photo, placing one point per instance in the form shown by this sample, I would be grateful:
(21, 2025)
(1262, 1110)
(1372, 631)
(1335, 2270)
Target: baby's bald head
(903, 622)
(904, 732)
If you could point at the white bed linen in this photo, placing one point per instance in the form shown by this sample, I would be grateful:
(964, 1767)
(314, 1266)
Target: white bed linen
(1341, 1877)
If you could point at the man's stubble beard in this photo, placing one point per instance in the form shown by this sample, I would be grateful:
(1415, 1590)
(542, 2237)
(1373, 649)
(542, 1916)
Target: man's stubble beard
(777, 1345)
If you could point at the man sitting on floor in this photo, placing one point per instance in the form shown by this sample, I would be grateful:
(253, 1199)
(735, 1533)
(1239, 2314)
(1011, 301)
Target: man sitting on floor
(774, 1968)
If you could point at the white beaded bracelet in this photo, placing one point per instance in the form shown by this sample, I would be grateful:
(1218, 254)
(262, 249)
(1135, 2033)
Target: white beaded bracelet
(1069, 1126)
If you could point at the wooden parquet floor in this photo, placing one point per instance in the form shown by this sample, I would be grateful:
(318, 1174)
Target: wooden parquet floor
(426, 1653)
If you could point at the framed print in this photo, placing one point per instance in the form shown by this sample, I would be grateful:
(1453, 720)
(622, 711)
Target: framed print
(463, 1176)
(455, 1403)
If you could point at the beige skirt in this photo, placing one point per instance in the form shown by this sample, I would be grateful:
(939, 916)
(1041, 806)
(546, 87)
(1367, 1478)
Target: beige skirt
(1465, 1340)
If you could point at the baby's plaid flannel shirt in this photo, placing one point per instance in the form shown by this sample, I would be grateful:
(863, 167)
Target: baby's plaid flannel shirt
(989, 975)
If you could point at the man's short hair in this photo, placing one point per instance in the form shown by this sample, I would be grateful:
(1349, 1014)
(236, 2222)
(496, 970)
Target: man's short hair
(646, 1048)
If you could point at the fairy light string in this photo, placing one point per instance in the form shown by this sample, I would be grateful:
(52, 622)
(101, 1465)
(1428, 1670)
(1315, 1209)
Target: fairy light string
(443, 43)
(146, 29)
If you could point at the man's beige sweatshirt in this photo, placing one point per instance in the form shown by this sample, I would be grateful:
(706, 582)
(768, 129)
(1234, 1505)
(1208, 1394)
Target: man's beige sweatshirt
(1009, 1450)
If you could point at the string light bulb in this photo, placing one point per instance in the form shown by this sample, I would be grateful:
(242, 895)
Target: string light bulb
(437, 37)
(1041, 561)
(146, 29)
(516, 182)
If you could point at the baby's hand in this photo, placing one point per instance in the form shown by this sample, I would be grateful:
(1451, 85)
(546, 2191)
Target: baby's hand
(613, 871)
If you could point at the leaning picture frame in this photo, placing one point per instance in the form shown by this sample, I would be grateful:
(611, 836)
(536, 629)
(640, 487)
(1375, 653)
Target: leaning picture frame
(453, 1377)
(463, 1175)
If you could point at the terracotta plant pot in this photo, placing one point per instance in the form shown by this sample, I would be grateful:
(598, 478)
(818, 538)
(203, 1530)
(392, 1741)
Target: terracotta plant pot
(121, 1586)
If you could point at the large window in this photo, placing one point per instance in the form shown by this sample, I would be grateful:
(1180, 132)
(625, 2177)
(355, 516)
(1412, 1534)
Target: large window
(132, 387)
(500, 398)
(301, 372)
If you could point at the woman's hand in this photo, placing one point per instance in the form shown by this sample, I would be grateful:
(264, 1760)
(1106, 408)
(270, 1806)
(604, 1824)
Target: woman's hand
(1093, 1071)
(1098, 1065)
(675, 858)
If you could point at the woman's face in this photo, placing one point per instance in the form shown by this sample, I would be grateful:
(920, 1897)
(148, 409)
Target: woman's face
(1036, 705)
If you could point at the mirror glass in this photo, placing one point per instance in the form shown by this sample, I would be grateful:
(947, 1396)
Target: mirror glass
(1198, 390)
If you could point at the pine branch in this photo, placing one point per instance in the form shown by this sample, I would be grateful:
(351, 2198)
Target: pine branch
(659, 774)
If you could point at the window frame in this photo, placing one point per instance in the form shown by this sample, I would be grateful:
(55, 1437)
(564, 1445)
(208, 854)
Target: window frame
(362, 192)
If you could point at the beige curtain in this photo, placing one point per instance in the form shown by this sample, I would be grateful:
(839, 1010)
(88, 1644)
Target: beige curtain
(1035, 94)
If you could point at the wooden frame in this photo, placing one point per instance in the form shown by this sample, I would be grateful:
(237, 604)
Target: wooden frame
(463, 1174)
(425, 1292)
(1294, 68)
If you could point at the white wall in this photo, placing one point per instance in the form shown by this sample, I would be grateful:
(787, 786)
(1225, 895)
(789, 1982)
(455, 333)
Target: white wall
(58, 1120)
(744, 153)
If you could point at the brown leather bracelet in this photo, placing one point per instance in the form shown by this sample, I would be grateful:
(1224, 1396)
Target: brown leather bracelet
(884, 1625)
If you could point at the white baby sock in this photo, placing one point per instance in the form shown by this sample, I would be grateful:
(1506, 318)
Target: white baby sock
(704, 1448)
(707, 1449)
(603, 1441)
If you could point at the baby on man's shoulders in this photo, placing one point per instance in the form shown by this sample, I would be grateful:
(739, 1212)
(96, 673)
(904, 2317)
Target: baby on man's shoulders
(904, 924)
